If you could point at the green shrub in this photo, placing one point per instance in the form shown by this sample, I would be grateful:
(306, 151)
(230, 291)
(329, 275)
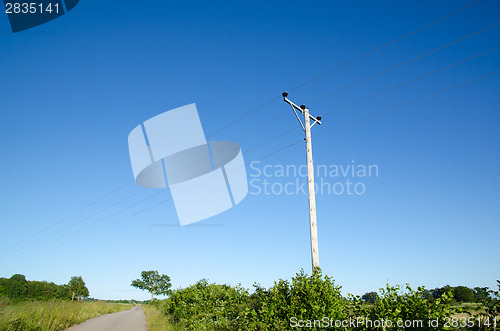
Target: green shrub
(315, 302)
(491, 306)
(305, 300)
(412, 310)
(205, 306)
(463, 294)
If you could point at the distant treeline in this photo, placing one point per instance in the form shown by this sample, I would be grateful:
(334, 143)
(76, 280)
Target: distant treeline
(18, 288)
(460, 294)
(124, 301)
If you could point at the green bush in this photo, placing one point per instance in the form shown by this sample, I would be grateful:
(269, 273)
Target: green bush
(370, 297)
(315, 302)
(411, 310)
(463, 294)
(491, 305)
(305, 300)
(205, 306)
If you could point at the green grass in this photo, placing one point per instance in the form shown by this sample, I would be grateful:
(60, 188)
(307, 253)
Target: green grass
(156, 320)
(51, 315)
(470, 306)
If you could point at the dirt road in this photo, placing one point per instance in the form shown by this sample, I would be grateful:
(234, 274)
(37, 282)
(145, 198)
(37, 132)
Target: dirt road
(128, 320)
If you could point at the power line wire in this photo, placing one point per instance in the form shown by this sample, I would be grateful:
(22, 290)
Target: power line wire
(377, 94)
(411, 81)
(41, 243)
(403, 63)
(298, 141)
(29, 246)
(84, 227)
(343, 65)
(406, 103)
(382, 47)
(150, 207)
(256, 109)
(367, 78)
(70, 215)
(335, 110)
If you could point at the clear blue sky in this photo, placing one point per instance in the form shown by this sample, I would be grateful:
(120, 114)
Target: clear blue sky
(73, 89)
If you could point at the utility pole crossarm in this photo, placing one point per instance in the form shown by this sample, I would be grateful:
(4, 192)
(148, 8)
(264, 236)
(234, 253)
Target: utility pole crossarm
(301, 109)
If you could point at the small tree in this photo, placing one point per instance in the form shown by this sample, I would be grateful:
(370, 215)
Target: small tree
(17, 287)
(481, 293)
(153, 282)
(492, 304)
(438, 292)
(463, 294)
(370, 297)
(77, 288)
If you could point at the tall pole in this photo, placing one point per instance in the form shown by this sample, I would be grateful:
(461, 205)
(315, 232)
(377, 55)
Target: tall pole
(312, 193)
(306, 127)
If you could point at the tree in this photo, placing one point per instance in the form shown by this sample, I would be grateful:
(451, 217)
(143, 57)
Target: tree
(463, 294)
(481, 293)
(3, 286)
(370, 297)
(492, 303)
(77, 288)
(153, 282)
(426, 294)
(17, 287)
(438, 292)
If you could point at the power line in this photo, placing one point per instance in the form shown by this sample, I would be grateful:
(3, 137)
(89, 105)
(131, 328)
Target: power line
(148, 208)
(78, 222)
(70, 215)
(243, 116)
(131, 181)
(335, 110)
(287, 131)
(374, 95)
(411, 81)
(382, 47)
(407, 103)
(84, 227)
(251, 112)
(343, 65)
(403, 63)
(367, 78)
(41, 243)
(110, 206)
(298, 141)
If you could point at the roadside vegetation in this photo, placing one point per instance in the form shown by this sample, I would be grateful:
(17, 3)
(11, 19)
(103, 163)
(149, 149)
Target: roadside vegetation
(156, 320)
(39, 306)
(315, 302)
(306, 301)
(51, 315)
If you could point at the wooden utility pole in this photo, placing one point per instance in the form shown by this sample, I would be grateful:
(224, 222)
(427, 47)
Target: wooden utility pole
(306, 127)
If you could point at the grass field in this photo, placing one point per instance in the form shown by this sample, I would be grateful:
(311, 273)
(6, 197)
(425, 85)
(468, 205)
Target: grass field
(51, 315)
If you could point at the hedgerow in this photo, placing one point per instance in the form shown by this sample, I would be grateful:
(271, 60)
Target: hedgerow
(315, 302)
